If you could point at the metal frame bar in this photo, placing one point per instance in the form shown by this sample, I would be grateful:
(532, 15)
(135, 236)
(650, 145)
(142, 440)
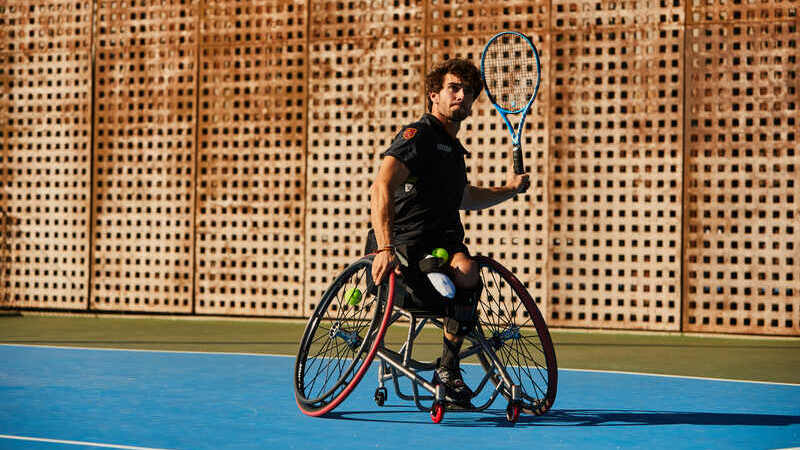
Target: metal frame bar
(398, 364)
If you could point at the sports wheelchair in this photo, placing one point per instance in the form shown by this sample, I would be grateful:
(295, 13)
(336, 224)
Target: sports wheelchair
(346, 332)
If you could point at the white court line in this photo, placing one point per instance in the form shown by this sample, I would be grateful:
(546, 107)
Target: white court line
(644, 374)
(60, 441)
(144, 350)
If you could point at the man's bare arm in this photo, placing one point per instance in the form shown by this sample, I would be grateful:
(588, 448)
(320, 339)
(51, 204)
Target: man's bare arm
(390, 175)
(484, 197)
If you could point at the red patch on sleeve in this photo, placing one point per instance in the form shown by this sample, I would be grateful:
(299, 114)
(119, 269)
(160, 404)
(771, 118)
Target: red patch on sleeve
(409, 133)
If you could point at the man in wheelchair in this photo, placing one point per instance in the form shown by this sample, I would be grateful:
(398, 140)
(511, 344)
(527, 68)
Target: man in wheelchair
(415, 200)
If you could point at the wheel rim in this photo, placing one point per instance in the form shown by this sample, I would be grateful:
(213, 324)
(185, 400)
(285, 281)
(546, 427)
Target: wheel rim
(513, 326)
(338, 341)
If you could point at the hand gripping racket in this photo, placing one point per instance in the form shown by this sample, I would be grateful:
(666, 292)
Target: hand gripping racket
(511, 73)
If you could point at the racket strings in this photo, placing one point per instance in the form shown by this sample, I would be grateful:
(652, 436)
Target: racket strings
(510, 72)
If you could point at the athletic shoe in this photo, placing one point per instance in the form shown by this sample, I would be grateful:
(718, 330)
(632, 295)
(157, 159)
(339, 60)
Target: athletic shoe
(454, 385)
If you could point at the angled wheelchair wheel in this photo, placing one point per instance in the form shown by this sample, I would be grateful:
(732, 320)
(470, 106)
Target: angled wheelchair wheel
(341, 338)
(513, 326)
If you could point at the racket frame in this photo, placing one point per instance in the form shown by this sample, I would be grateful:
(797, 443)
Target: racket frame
(516, 134)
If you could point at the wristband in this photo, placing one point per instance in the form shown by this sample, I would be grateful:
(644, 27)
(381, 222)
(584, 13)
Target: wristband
(387, 248)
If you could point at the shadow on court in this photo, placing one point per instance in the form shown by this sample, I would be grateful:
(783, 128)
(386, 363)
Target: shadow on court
(567, 418)
(578, 417)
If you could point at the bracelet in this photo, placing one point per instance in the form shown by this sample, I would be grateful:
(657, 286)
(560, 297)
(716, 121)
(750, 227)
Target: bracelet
(387, 248)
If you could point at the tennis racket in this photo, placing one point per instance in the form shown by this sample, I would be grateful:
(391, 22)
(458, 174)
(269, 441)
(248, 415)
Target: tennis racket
(511, 74)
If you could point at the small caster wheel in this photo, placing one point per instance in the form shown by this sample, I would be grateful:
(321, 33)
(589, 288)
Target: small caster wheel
(512, 412)
(437, 412)
(380, 396)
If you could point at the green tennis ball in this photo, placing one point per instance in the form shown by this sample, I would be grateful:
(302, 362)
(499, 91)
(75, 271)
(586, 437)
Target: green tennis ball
(353, 296)
(441, 254)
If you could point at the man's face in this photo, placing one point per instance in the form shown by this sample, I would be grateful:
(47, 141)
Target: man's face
(454, 101)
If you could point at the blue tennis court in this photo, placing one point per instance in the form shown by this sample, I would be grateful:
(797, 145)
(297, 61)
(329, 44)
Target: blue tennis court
(79, 398)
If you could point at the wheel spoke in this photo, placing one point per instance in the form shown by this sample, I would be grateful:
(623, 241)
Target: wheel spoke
(334, 353)
(509, 315)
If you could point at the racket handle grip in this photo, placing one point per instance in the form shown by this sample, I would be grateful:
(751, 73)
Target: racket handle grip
(519, 167)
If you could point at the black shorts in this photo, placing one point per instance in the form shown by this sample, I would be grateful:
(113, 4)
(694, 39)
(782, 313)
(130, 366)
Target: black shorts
(419, 249)
(422, 294)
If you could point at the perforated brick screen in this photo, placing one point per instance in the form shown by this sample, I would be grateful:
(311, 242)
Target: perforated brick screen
(742, 246)
(144, 156)
(44, 26)
(252, 142)
(615, 215)
(215, 156)
(45, 153)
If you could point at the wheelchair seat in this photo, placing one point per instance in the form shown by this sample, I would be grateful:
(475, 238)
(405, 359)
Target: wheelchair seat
(418, 298)
(413, 292)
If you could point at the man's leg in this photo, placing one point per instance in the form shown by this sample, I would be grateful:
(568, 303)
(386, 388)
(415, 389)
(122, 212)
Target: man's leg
(465, 276)
(464, 271)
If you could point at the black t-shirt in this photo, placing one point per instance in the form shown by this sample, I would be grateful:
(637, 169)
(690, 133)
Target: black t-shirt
(427, 203)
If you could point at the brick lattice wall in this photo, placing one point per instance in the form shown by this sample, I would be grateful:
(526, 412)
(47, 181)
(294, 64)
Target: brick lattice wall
(215, 156)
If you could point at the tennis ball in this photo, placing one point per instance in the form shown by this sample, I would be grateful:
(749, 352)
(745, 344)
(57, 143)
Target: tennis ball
(441, 254)
(353, 296)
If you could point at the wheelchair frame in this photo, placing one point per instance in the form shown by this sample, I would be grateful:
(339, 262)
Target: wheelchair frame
(396, 365)
(353, 335)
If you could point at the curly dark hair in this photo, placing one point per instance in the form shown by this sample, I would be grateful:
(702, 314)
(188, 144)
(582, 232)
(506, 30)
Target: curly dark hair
(462, 68)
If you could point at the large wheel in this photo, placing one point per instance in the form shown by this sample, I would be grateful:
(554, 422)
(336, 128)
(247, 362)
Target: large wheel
(341, 338)
(513, 326)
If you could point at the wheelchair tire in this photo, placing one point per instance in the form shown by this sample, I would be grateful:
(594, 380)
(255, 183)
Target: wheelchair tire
(341, 338)
(512, 324)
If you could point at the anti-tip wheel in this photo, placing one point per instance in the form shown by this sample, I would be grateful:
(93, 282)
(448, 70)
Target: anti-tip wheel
(380, 396)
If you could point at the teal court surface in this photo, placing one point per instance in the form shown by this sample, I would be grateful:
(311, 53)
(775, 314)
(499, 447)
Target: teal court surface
(61, 398)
